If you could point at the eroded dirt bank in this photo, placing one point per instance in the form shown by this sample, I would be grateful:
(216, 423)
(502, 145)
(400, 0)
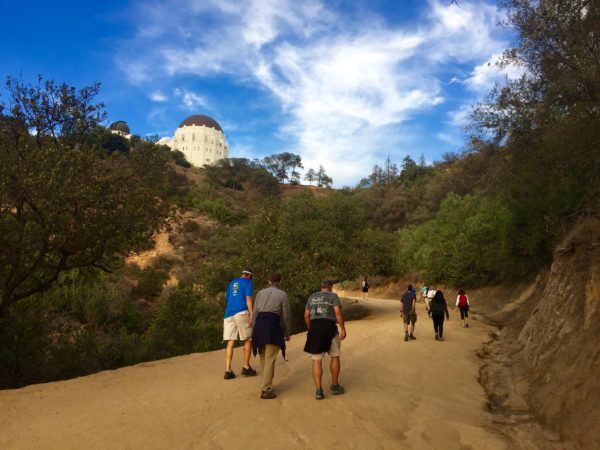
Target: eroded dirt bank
(543, 362)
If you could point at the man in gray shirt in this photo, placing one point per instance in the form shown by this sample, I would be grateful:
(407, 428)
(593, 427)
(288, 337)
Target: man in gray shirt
(322, 311)
(271, 323)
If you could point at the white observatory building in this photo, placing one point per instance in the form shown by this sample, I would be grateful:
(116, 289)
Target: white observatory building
(201, 139)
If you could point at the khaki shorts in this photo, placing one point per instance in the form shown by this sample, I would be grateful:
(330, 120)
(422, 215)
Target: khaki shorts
(334, 350)
(237, 327)
(409, 317)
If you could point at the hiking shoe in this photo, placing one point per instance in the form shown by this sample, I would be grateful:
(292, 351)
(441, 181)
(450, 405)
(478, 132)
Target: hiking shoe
(268, 394)
(436, 337)
(229, 375)
(440, 338)
(412, 338)
(337, 389)
(248, 372)
(319, 394)
(405, 337)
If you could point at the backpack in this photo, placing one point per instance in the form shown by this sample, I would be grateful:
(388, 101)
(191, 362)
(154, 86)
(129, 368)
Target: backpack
(462, 300)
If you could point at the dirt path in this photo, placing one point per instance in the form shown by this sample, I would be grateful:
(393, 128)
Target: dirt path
(422, 394)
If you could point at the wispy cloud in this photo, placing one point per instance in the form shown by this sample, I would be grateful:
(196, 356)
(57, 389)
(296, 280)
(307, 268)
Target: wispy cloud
(158, 96)
(346, 85)
(190, 100)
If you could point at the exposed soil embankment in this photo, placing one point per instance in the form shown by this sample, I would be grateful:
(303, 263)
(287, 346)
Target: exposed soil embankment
(544, 361)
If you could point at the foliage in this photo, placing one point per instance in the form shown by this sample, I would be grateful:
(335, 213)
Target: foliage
(284, 166)
(180, 159)
(218, 210)
(185, 322)
(306, 239)
(310, 176)
(234, 173)
(467, 243)
(150, 282)
(323, 180)
(63, 205)
(546, 122)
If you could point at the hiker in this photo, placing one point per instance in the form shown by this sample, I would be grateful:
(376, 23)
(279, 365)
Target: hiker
(323, 309)
(438, 308)
(424, 290)
(428, 298)
(365, 287)
(409, 313)
(271, 325)
(462, 303)
(237, 322)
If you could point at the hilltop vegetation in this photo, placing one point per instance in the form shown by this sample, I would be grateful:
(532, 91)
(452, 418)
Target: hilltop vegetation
(77, 200)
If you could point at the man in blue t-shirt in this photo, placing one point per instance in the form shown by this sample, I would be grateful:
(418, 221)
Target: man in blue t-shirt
(237, 324)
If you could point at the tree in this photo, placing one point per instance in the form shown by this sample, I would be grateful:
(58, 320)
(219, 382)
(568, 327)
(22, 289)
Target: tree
(279, 164)
(310, 176)
(546, 122)
(323, 180)
(65, 203)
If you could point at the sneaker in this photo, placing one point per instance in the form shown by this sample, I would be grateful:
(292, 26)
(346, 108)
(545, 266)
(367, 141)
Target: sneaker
(248, 372)
(467, 325)
(412, 338)
(268, 394)
(229, 375)
(440, 338)
(405, 337)
(319, 394)
(337, 389)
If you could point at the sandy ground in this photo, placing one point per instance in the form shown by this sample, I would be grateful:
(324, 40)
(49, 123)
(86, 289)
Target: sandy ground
(422, 394)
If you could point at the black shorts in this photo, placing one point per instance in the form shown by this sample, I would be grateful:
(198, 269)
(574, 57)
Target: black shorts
(464, 311)
(365, 289)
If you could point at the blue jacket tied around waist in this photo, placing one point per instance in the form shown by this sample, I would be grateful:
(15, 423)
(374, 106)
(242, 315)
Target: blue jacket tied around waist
(267, 330)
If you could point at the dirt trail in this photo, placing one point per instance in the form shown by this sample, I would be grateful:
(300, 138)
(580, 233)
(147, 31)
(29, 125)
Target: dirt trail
(422, 394)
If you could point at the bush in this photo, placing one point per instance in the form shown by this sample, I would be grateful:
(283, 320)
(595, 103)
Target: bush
(185, 322)
(189, 226)
(466, 244)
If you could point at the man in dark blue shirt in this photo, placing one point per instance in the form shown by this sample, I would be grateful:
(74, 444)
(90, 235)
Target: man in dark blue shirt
(408, 311)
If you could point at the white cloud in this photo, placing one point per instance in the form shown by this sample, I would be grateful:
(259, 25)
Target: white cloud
(158, 96)
(346, 86)
(191, 101)
(485, 75)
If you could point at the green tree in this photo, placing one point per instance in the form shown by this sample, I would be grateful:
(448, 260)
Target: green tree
(310, 176)
(323, 180)
(467, 243)
(546, 122)
(63, 203)
(284, 166)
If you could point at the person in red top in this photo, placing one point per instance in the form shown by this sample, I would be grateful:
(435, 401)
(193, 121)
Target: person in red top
(462, 303)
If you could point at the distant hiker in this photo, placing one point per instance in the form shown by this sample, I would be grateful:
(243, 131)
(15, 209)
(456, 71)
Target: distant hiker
(237, 324)
(438, 308)
(462, 303)
(424, 290)
(365, 287)
(323, 309)
(409, 313)
(428, 298)
(271, 324)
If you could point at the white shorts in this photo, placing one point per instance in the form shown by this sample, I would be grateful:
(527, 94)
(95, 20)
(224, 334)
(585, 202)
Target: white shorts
(334, 350)
(237, 327)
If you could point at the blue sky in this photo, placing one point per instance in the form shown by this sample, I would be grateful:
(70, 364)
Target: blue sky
(341, 83)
